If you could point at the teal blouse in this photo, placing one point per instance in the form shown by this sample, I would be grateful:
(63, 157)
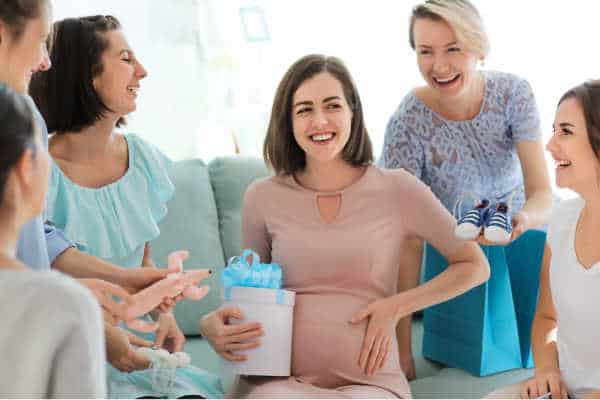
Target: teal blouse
(115, 221)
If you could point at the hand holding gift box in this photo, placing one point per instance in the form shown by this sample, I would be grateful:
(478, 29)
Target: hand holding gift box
(256, 290)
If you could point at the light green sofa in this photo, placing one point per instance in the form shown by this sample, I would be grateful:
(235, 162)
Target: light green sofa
(204, 217)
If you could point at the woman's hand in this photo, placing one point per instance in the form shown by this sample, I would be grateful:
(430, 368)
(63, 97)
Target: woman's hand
(168, 335)
(228, 339)
(383, 316)
(520, 223)
(105, 292)
(120, 352)
(544, 381)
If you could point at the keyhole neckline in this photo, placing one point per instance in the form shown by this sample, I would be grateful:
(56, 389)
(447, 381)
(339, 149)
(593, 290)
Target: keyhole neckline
(318, 193)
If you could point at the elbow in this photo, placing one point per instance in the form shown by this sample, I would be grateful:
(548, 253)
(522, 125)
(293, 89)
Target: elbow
(480, 268)
(483, 269)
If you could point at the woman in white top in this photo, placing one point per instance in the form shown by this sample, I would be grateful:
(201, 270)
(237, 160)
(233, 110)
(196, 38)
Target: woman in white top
(566, 328)
(51, 338)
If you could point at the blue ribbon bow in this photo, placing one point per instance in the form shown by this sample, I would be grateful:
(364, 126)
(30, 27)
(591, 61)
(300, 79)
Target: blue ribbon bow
(239, 273)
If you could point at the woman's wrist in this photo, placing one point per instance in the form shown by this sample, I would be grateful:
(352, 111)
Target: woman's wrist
(402, 306)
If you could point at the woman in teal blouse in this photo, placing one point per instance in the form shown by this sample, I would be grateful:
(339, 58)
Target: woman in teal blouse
(108, 190)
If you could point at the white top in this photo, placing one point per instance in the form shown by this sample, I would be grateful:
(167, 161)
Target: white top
(576, 296)
(51, 338)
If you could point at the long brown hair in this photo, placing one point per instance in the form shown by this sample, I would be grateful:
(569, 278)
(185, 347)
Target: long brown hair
(588, 96)
(280, 149)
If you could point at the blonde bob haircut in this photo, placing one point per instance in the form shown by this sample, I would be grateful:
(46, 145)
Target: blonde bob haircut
(463, 18)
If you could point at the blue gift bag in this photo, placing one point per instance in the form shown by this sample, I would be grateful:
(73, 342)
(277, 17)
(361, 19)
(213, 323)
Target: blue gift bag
(524, 258)
(476, 331)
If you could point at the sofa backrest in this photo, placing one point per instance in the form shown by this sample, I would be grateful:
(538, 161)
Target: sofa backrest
(204, 218)
(230, 176)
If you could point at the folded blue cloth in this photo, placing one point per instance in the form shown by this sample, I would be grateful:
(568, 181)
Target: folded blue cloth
(259, 275)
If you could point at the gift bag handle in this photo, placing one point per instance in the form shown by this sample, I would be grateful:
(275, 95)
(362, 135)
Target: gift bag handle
(255, 257)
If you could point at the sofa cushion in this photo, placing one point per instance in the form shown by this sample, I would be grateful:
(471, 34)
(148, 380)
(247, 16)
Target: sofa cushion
(230, 176)
(192, 224)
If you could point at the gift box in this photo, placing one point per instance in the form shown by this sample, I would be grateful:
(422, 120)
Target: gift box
(255, 288)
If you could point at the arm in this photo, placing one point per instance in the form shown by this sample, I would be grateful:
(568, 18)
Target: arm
(56, 242)
(81, 265)
(543, 342)
(467, 268)
(538, 206)
(543, 331)
(524, 120)
(408, 278)
(229, 341)
(120, 352)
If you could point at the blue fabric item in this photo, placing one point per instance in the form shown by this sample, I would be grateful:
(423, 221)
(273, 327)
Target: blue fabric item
(56, 241)
(499, 218)
(478, 215)
(188, 381)
(239, 273)
(115, 221)
(488, 329)
(39, 244)
(477, 155)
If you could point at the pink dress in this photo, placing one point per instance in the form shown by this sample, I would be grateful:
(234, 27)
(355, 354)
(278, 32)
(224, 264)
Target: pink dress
(338, 268)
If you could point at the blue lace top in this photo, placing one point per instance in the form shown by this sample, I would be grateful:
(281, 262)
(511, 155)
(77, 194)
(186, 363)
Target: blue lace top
(115, 221)
(477, 155)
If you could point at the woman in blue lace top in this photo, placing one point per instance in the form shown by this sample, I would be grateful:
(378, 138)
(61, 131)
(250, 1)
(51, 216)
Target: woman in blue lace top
(467, 130)
(108, 191)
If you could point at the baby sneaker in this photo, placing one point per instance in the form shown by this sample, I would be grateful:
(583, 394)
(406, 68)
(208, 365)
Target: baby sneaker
(469, 226)
(498, 227)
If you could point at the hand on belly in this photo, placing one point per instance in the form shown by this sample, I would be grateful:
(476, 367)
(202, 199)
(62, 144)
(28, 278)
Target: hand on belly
(325, 353)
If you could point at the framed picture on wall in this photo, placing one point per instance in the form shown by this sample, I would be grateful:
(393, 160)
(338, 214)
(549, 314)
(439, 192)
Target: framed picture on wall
(254, 24)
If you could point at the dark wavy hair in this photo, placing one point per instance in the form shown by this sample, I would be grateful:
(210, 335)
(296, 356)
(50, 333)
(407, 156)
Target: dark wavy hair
(65, 94)
(588, 96)
(17, 132)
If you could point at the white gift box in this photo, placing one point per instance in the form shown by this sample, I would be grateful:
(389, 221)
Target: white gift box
(274, 310)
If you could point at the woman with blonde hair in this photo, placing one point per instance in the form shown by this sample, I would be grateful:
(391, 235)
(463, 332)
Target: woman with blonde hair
(466, 130)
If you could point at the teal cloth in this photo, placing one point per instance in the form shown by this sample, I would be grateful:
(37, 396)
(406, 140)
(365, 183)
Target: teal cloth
(188, 381)
(113, 223)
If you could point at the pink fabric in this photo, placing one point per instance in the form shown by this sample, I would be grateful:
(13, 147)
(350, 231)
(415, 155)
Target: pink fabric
(336, 269)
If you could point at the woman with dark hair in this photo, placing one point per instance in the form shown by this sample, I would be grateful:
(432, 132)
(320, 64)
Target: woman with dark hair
(51, 338)
(108, 191)
(24, 30)
(566, 323)
(336, 223)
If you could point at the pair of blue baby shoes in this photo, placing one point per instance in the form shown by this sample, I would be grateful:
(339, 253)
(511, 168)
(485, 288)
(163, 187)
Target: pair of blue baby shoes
(495, 221)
